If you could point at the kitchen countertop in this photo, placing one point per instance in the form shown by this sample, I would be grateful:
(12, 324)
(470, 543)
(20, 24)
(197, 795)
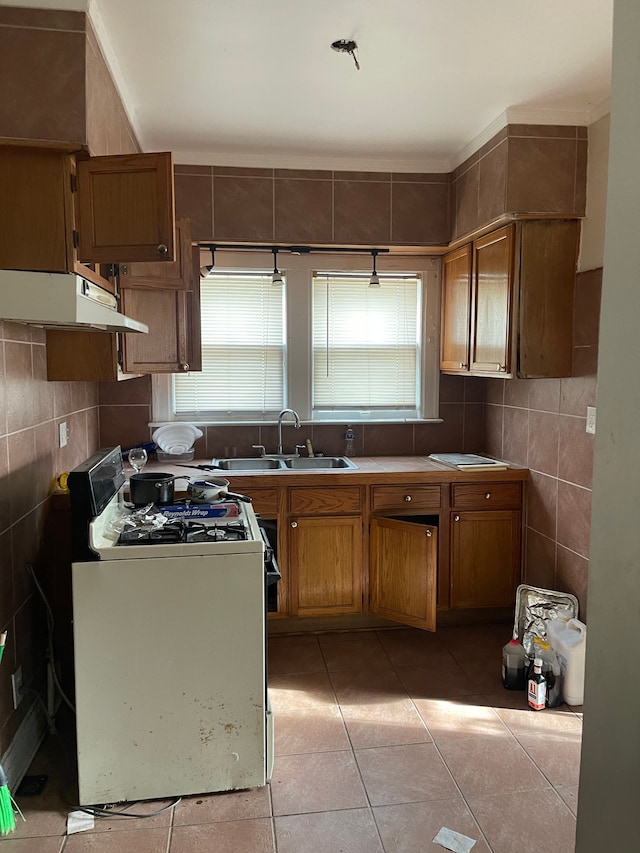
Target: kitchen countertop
(370, 470)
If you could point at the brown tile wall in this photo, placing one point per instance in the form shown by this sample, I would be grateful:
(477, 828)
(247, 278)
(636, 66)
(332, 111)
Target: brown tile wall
(30, 410)
(302, 206)
(70, 94)
(125, 411)
(42, 54)
(541, 423)
(522, 169)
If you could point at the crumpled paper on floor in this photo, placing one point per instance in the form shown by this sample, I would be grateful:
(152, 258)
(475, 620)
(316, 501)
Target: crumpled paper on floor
(455, 841)
(79, 822)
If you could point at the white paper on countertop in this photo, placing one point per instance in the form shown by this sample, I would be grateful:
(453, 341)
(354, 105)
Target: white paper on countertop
(454, 841)
(79, 822)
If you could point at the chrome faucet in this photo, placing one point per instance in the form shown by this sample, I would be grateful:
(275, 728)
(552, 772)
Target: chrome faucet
(296, 424)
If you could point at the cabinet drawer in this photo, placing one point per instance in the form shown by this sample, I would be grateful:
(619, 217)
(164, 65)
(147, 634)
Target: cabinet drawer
(405, 497)
(486, 496)
(265, 502)
(327, 500)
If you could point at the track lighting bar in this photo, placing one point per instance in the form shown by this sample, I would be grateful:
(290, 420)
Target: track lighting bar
(294, 250)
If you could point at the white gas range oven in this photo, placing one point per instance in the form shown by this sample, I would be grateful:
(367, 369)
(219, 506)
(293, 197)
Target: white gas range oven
(170, 645)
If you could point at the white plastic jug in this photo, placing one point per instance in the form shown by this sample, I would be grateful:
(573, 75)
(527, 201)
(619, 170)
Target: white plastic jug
(569, 639)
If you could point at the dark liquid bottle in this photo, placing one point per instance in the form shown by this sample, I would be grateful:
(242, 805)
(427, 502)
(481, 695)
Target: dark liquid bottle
(513, 665)
(537, 687)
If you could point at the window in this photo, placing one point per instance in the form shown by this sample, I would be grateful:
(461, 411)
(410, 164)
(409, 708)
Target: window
(324, 344)
(242, 349)
(366, 344)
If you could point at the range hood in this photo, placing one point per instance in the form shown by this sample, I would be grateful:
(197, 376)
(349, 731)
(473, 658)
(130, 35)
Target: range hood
(61, 300)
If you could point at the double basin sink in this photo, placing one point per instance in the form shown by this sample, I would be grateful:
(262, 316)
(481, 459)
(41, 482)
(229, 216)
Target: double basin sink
(288, 463)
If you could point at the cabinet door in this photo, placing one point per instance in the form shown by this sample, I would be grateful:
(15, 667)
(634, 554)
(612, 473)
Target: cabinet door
(173, 344)
(125, 208)
(82, 356)
(404, 572)
(174, 274)
(325, 565)
(35, 210)
(456, 311)
(485, 558)
(491, 302)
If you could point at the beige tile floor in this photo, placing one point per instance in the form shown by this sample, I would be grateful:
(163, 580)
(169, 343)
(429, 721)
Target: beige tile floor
(382, 738)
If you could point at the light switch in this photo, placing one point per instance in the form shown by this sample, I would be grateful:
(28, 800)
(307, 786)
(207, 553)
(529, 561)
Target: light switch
(591, 419)
(63, 434)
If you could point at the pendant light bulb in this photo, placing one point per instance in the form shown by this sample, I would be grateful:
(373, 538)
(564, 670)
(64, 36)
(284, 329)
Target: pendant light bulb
(204, 271)
(276, 278)
(374, 281)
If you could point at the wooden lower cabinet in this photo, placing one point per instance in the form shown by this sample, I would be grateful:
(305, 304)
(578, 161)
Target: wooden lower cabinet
(485, 558)
(325, 565)
(403, 572)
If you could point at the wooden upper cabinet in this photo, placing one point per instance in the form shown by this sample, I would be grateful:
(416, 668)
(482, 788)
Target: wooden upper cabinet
(522, 281)
(491, 300)
(456, 310)
(176, 274)
(403, 573)
(125, 208)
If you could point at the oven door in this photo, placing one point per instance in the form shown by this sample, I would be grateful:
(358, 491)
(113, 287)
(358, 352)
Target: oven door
(271, 572)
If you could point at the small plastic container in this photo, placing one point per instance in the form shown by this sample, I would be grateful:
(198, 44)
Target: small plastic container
(163, 456)
(569, 639)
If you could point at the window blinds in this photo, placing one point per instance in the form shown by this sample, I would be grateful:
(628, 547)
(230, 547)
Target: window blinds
(242, 348)
(365, 342)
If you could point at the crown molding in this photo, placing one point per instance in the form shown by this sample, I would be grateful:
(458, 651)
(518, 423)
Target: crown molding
(600, 110)
(295, 161)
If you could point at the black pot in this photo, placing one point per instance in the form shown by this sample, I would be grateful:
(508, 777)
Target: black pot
(151, 488)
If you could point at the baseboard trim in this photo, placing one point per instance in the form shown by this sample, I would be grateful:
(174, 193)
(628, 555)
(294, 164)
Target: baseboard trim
(25, 744)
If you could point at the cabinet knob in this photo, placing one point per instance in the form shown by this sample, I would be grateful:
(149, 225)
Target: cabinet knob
(462, 365)
(294, 523)
(407, 498)
(502, 367)
(162, 249)
(428, 532)
(184, 367)
(456, 518)
(488, 495)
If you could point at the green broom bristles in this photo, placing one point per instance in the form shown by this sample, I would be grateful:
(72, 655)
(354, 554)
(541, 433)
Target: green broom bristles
(7, 818)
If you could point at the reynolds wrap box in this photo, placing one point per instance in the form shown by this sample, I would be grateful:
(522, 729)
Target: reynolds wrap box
(197, 512)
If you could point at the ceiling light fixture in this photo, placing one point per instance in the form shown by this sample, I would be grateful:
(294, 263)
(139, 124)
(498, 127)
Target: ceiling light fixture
(204, 271)
(346, 46)
(276, 278)
(374, 281)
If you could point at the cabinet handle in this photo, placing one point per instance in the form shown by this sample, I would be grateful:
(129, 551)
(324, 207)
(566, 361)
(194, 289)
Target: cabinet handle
(488, 495)
(184, 367)
(407, 498)
(162, 249)
(294, 523)
(456, 518)
(428, 532)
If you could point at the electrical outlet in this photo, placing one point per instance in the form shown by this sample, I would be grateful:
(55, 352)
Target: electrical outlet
(63, 434)
(591, 419)
(16, 687)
